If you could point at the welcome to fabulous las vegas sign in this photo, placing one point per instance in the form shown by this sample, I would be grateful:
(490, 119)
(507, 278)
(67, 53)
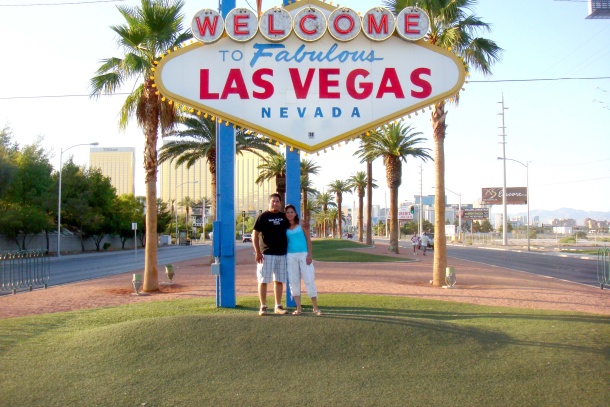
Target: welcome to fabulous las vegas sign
(309, 74)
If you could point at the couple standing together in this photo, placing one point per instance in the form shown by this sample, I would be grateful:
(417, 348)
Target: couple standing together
(283, 249)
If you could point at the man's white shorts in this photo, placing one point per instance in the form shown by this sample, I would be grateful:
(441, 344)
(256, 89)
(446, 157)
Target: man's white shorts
(273, 268)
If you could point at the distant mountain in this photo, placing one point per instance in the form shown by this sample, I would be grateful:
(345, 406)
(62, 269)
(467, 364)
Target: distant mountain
(547, 216)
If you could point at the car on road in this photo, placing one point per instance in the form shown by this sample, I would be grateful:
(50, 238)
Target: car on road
(246, 238)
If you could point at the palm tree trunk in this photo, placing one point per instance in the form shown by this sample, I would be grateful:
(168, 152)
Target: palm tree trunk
(151, 276)
(212, 168)
(440, 244)
(393, 168)
(393, 220)
(369, 203)
(280, 187)
(339, 223)
(360, 215)
(304, 211)
(150, 124)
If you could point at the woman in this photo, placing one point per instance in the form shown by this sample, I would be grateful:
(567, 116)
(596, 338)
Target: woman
(299, 262)
(415, 242)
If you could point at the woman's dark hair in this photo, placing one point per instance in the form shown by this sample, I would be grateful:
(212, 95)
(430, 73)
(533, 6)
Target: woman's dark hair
(296, 217)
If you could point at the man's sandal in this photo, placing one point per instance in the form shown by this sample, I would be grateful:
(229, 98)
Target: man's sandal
(280, 310)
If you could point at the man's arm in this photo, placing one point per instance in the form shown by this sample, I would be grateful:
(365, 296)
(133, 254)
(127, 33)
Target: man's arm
(257, 248)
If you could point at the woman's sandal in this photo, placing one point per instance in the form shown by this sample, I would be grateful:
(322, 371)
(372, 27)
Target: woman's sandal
(317, 313)
(297, 312)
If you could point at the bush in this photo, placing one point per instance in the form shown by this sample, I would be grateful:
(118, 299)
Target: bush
(106, 246)
(567, 240)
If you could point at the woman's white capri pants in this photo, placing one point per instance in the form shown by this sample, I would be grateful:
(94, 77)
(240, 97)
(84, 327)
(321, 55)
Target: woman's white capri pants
(297, 268)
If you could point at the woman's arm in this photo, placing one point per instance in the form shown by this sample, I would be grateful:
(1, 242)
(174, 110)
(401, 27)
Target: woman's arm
(309, 258)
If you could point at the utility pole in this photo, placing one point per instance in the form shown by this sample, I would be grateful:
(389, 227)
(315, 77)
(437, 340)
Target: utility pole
(421, 197)
(503, 142)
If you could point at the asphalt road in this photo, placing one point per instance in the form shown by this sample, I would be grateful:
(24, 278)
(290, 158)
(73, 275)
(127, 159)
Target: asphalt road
(570, 268)
(69, 269)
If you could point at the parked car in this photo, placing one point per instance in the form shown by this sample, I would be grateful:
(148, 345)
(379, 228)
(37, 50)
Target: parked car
(246, 238)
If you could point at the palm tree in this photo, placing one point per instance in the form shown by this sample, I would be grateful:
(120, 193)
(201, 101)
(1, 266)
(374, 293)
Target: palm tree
(311, 208)
(186, 203)
(307, 189)
(334, 216)
(358, 182)
(308, 167)
(365, 146)
(339, 187)
(453, 27)
(274, 167)
(149, 30)
(395, 142)
(198, 142)
(324, 200)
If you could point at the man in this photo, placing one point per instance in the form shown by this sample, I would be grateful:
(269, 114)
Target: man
(270, 247)
(424, 242)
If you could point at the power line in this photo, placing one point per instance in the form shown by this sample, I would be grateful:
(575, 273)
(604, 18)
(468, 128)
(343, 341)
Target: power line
(541, 79)
(61, 4)
(571, 182)
(60, 96)
(490, 81)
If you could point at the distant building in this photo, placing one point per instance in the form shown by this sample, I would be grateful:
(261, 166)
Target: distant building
(196, 183)
(599, 9)
(565, 223)
(498, 221)
(426, 200)
(116, 163)
(593, 224)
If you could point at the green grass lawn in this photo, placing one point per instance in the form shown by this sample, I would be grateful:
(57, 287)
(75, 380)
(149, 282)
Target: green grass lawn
(335, 250)
(366, 351)
(581, 251)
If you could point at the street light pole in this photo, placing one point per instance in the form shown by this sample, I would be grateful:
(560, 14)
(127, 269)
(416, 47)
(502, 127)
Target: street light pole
(527, 193)
(176, 205)
(61, 152)
(503, 142)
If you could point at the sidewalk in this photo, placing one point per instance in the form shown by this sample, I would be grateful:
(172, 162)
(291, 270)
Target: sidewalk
(476, 284)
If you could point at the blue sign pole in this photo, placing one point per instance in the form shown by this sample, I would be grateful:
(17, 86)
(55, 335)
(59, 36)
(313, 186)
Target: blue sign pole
(293, 195)
(225, 203)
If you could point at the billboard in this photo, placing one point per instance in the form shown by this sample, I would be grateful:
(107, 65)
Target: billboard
(514, 196)
(475, 213)
(309, 75)
(404, 214)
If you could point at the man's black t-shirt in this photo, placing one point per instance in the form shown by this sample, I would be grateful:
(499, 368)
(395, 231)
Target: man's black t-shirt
(272, 226)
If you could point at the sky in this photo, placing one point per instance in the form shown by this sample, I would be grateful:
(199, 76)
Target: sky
(561, 128)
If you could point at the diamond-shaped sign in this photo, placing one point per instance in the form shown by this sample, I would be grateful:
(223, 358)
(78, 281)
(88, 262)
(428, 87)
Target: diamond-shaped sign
(310, 94)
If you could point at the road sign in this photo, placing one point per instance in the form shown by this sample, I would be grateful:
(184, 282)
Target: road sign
(475, 213)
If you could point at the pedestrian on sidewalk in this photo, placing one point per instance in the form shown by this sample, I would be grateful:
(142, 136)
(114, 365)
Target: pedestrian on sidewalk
(424, 242)
(415, 242)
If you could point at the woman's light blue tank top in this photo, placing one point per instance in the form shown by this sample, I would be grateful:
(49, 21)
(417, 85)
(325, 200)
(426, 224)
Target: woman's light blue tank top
(296, 240)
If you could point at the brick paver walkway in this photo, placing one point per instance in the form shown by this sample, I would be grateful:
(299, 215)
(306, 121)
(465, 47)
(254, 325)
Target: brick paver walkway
(476, 283)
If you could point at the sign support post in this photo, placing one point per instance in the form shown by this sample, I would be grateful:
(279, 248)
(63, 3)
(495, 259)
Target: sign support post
(293, 196)
(225, 193)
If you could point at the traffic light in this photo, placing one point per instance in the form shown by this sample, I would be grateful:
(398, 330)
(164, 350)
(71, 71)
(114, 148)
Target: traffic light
(412, 209)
